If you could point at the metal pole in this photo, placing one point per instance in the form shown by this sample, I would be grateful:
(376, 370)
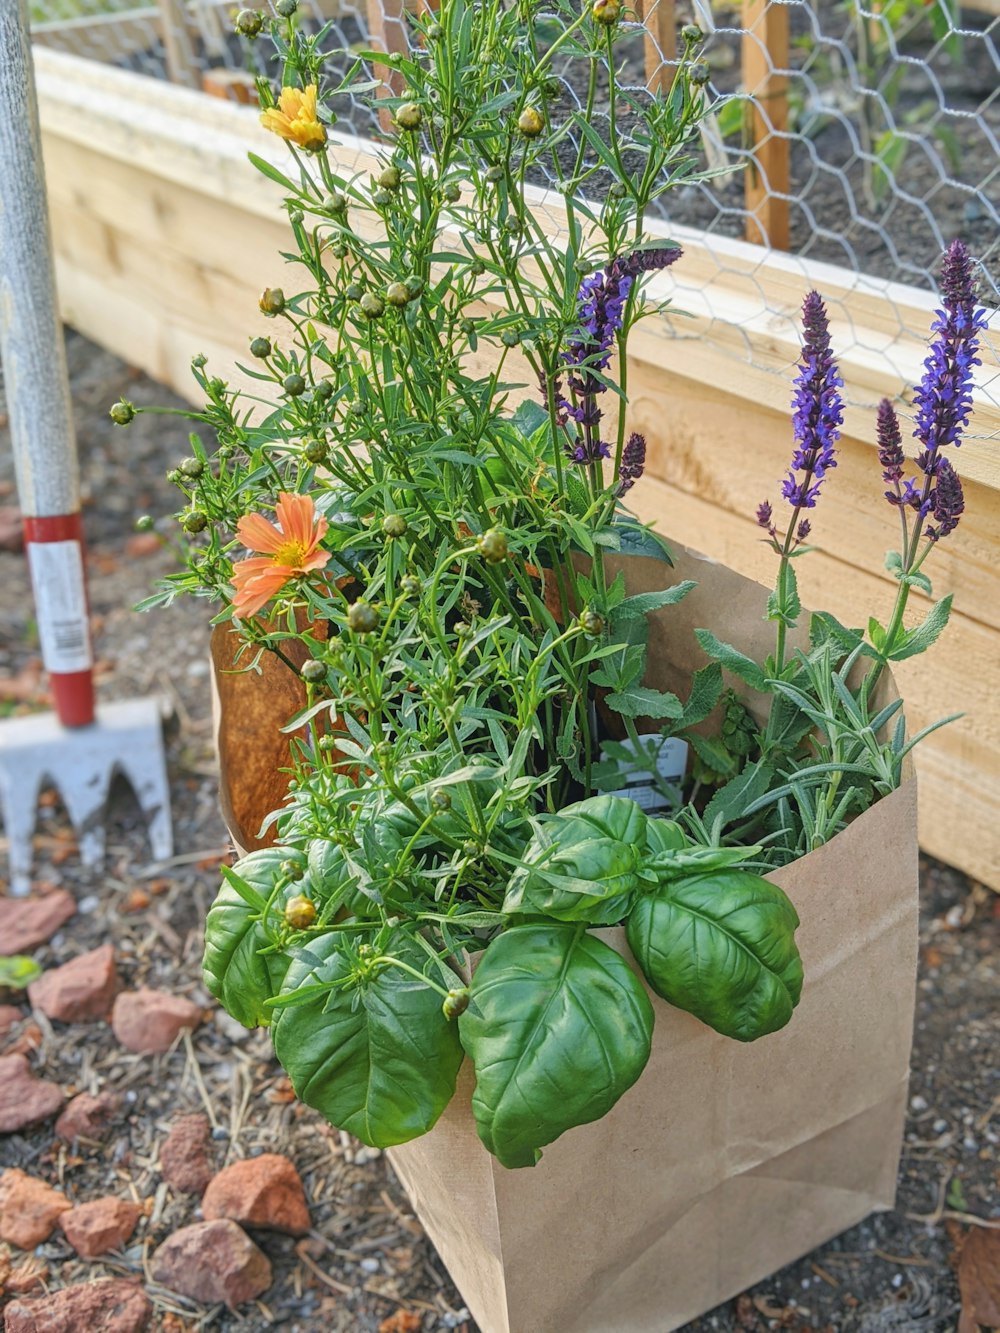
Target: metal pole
(37, 385)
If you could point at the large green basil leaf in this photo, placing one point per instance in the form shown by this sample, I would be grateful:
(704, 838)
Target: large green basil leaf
(378, 1058)
(583, 863)
(558, 1027)
(235, 970)
(721, 946)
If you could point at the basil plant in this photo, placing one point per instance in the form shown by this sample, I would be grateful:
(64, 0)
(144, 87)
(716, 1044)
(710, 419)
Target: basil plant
(375, 995)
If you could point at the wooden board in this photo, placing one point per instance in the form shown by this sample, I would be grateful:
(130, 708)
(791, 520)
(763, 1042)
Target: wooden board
(165, 238)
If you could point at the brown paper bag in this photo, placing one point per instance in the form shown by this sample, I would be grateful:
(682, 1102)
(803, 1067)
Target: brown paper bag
(725, 1161)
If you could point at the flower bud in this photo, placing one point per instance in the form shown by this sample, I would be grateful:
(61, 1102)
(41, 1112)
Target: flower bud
(495, 173)
(467, 326)
(452, 192)
(396, 294)
(409, 585)
(552, 88)
(272, 301)
(323, 391)
(456, 1002)
(199, 362)
(606, 12)
(354, 291)
(414, 286)
(300, 912)
(493, 546)
(316, 451)
(192, 467)
(372, 306)
(312, 671)
(440, 800)
(531, 122)
(293, 385)
(261, 348)
(592, 623)
(390, 178)
(510, 337)
(699, 74)
(194, 521)
(336, 202)
(175, 476)
(144, 523)
(692, 34)
(327, 743)
(296, 217)
(513, 224)
(409, 116)
(434, 31)
(362, 618)
(477, 268)
(249, 22)
(122, 412)
(286, 8)
(394, 525)
(382, 198)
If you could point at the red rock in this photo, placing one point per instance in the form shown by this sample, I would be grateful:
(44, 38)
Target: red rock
(263, 1191)
(110, 1305)
(88, 1117)
(212, 1261)
(19, 1034)
(27, 922)
(24, 1099)
(184, 1160)
(148, 1021)
(99, 1226)
(80, 990)
(29, 1209)
(26, 1276)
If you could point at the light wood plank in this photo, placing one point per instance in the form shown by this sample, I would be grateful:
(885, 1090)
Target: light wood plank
(765, 55)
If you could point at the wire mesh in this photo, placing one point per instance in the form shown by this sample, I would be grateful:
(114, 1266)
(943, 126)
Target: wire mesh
(866, 135)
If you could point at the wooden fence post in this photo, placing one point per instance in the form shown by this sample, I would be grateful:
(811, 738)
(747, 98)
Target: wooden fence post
(765, 56)
(660, 21)
(181, 64)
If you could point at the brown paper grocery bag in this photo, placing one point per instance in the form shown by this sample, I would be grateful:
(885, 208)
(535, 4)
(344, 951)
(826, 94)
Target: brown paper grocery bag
(725, 1161)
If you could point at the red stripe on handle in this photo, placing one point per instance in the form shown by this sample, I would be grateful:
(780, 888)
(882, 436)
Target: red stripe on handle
(72, 691)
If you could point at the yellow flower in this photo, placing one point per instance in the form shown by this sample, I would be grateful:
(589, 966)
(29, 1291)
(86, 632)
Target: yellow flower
(294, 118)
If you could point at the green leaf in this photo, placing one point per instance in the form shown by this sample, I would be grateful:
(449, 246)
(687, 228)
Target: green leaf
(582, 863)
(234, 969)
(377, 1057)
(825, 628)
(732, 660)
(634, 538)
(558, 1028)
(918, 640)
(730, 801)
(18, 972)
(783, 603)
(706, 686)
(640, 701)
(722, 947)
(529, 418)
(645, 602)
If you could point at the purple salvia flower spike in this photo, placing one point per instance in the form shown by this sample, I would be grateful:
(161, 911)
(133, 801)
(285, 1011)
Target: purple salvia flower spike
(817, 409)
(890, 443)
(947, 501)
(633, 462)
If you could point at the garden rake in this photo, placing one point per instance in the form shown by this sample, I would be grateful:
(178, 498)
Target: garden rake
(79, 749)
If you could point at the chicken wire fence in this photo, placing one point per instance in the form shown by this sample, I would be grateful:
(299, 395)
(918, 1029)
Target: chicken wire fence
(862, 134)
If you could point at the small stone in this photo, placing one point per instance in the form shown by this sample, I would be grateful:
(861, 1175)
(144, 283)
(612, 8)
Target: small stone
(25, 923)
(88, 1117)
(29, 1209)
(212, 1261)
(148, 1022)
(88, 904)
(24, 1099)
(79, 991)
(184, 1160)
(264, 1191)
(101, 1225)
(110, 1305)
(25, 1039)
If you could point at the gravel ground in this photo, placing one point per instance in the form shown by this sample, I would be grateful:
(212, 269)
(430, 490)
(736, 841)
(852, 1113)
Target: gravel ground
(366, 1265)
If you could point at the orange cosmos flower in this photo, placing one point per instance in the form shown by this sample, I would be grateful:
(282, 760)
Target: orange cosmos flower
(294, 118)
(287, 551)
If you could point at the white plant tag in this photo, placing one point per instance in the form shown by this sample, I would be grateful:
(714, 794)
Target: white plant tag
(671, 764)
(61, 605)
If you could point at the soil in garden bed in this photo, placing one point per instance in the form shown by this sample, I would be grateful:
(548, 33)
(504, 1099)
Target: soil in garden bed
(366, 1265)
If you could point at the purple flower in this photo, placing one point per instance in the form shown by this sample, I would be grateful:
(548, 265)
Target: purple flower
(817, 409)
(890, 445)
(588, 450)
(803, 530)
(947, 501)
(633, 462)
(944, 396)
(764, 514)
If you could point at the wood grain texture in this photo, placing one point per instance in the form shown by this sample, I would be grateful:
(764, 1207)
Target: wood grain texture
(765, 58)
(165, 237)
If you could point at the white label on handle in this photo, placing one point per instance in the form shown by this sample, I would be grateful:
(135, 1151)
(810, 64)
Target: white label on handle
(671, 763)
(61, 604)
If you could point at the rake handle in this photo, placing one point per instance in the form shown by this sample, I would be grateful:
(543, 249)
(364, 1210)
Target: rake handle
(37, 385)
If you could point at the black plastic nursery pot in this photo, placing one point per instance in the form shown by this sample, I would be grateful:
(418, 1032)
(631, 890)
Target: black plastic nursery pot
(725, 1161)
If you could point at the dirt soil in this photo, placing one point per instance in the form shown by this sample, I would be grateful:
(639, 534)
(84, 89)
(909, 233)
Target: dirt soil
(366, 1261)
